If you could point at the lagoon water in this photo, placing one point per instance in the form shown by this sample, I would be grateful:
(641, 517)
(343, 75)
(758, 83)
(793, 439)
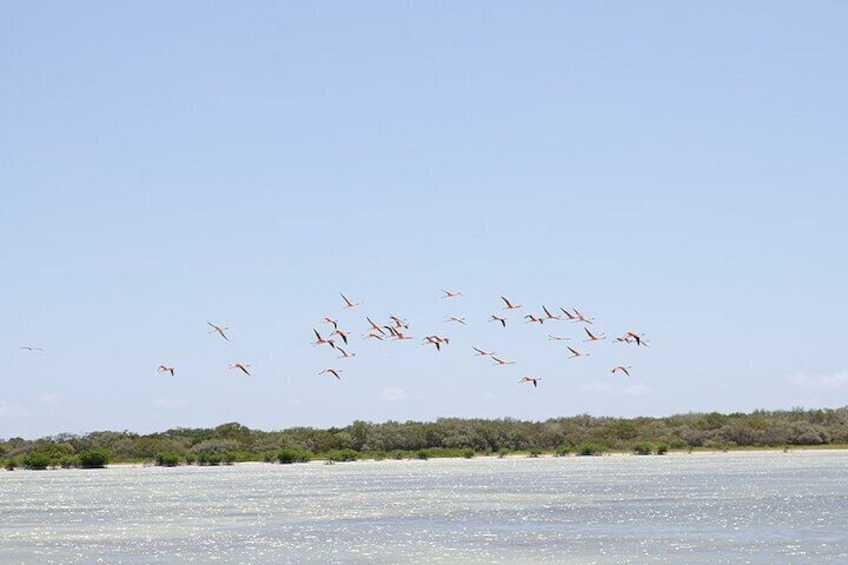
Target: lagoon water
(710, 508)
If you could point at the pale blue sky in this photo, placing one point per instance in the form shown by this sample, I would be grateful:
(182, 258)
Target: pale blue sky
(672, 168)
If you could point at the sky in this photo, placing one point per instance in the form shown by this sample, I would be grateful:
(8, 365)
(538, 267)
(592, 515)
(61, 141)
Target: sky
(672, 169)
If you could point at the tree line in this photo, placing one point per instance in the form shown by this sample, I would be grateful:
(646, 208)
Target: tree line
(232, 442)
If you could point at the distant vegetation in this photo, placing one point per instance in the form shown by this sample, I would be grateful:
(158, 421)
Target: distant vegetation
(446, 437)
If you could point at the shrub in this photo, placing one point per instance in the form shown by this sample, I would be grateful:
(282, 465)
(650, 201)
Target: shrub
(440, 452)
(215, 448)
(562, 451)
(535, 453)
(662, 449)
(205, 459)
(69, 461)
(167, 459)
(422, 454)
(93, 458)
(586, 449)
(11, 464)
(190, 458)
(288, 456)
(643, 449)
(343, 455)
(468, 453)
(35, 461)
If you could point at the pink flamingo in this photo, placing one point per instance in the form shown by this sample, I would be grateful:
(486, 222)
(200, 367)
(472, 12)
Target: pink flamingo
(348, 303)
(501, 362)
(593, 337)
(498, 319)
(575, 353)
(219, 330)
(510, 305)
(331, 371)
(241, 367)
(534, 380)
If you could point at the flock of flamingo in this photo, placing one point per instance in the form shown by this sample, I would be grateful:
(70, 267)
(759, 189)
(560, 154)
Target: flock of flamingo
(338, 339)
(397, 329)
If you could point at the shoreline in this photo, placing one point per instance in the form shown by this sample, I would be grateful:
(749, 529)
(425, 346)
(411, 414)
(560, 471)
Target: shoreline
(482, 457)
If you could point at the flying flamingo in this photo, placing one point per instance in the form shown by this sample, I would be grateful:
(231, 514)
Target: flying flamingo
(575, 353)
(375, 327)
(582, 318)
(344, 354)
(534, 380)
(242, 368)
(501, 361)
(399, 322)
(30, 348)
(593, 337)
(449, 294)
(331, 321)
(342, 333)
(638, 337)
(348, 303)
(456, 319)
(333, 372)
(396, 333)
(498, 319)
(400, 335)
(510, 305)
(558, 338)
(437, 341)
(621, 368)
(568, 314)
(482, 353)
(550, 316)
(321, 340)
(219, 330)
(164, 369)
(533, 319)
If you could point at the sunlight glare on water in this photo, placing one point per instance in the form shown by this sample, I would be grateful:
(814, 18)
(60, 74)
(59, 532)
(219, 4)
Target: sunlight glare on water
(764, 507)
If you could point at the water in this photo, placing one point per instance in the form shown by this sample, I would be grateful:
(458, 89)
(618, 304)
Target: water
(710, 508)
